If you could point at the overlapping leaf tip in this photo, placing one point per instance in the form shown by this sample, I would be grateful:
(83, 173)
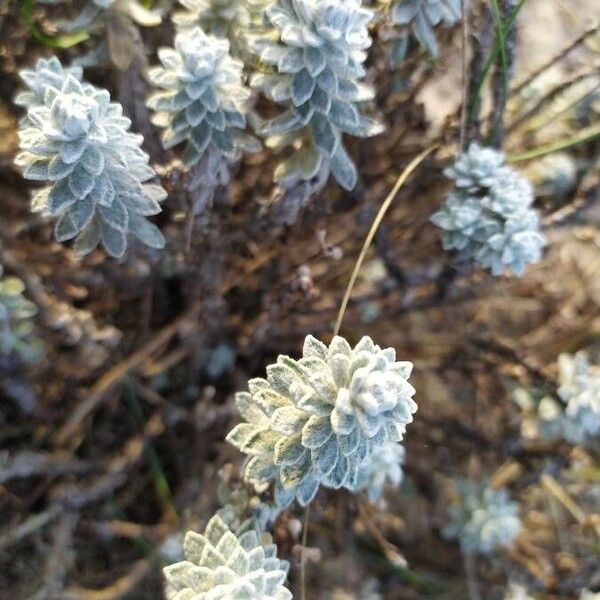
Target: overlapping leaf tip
(315, 68)
(223, 565)
(203, 101)
(318, 420)
(424, 15)
(488, 217)
(78, 141)
(482, 519)
(47, 73)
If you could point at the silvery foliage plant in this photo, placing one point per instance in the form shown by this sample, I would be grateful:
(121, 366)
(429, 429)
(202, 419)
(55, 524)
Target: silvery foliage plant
(93, 9)
(203, 101)
(318, 420)
(222, 565)
(488, 216)
(16, 321)
(79, 142)
(580, 391)
(574, 414)
(383, 467)
(422, 16)
(224, 18)
(483, 519)
(314, 70)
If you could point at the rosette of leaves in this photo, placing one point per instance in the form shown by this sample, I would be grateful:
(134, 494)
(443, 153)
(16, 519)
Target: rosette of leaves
(16, 322)
(482, 519)
(222, 565)
(488, 216)
(383, 467)
(314, 70)
(476, 168)
(203, 100)
(580, 390)
(48, 72)
(237, 21)
(218, 17)
(79, 142)
(422, 16)
(317, 420)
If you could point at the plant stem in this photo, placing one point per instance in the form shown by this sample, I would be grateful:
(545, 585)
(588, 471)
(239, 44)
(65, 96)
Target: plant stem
(371, 235)
(475, 102)
(303, 553)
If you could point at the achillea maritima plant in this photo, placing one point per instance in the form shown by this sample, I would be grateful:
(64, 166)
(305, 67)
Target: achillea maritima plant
(424, 15)
(482, 519)
(488, 216)
(79, 142)
(218, 17)
(16, 321)
(223, 565)
(204, 101)
(318, 420)
(384, 465)
(315, 72)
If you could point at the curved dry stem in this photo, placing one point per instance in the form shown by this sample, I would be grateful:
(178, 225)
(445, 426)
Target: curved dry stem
(374, 227)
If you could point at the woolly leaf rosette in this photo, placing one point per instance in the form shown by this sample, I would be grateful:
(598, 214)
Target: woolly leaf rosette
(79, 142)
(317, 420)
(222, 565)
(315, 68)
(488, 217)
(422, 16)
(203, 101)
(219, 17)
(482, 519)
